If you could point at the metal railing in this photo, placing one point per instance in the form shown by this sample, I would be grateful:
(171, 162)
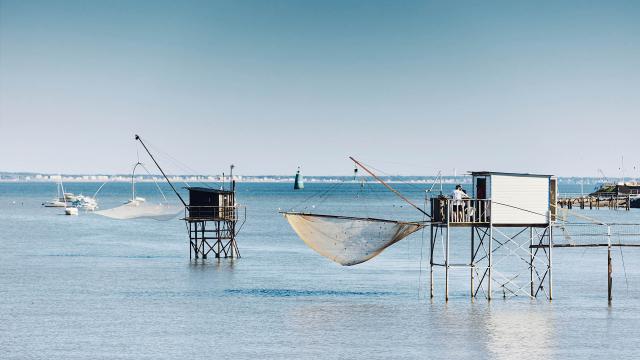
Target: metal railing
(229, 213)
(465, 211)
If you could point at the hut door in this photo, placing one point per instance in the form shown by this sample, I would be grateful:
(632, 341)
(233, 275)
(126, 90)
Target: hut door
(481, 188)
(553, 197)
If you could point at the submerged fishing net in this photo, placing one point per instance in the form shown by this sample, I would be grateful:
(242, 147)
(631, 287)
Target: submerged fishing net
(143, 210)
(349, 240)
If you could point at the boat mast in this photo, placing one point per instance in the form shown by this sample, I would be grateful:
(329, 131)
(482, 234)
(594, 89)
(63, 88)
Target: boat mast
(389, 187)
(159, 168)
(64, 198)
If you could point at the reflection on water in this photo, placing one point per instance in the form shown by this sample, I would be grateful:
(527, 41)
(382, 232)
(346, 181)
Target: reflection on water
(519, 333)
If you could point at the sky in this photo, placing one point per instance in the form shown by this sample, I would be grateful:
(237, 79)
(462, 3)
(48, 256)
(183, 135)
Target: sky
(410, 87)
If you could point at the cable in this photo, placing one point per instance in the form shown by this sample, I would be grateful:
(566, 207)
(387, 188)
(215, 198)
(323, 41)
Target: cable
(154, 181)
(179, 164)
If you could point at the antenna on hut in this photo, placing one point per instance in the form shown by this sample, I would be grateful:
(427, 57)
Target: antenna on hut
(389, 187)
(231, 176)
(622, 169)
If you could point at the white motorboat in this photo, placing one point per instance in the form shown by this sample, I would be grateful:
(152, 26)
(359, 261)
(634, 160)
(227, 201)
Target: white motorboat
(71, 211)
(70, 197)
(54, 203)
(87, 203)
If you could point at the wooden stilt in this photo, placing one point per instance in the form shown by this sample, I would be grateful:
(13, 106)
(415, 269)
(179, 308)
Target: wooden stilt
(609, 278)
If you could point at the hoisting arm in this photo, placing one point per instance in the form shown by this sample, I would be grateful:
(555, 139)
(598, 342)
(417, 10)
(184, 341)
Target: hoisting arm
(389, 187)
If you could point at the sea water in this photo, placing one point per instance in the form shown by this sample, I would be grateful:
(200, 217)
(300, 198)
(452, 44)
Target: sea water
(88, 287)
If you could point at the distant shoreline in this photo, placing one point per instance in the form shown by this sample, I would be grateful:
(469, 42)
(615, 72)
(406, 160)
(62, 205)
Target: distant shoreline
(7, 177)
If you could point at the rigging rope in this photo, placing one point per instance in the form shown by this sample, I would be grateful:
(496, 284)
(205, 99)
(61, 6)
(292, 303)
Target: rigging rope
(154, 181)
(179, 164)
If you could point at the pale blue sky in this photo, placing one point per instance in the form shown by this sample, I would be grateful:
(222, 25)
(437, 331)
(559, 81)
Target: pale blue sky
(410, 87)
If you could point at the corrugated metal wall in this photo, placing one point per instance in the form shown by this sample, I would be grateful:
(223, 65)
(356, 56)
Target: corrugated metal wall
(527, 197)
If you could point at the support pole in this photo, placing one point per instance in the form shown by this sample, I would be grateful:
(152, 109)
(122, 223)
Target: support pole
(472, 262)
(609, 278)
(195, 250)
(446, 268)
(204, 254)
(610, 266)
(532, 258)
(490, 260)
(550, 262)
(431, 242)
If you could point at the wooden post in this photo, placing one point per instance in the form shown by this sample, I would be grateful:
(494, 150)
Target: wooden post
(490, 260)
(531, 258)
(204, 254)
(431, 242)
(610, 270)
(550, 262)
(446, 267)
(195, 250)
(472, 259)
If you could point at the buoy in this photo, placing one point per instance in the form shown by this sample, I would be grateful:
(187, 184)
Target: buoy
(299, 183)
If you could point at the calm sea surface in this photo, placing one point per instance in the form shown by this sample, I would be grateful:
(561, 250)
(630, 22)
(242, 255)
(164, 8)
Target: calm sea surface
(89, 287)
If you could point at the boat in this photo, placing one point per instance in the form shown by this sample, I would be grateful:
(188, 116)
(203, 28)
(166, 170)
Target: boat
(70, 197)
(54, 203)
(59, 200)
(70, 202)
(87, 203)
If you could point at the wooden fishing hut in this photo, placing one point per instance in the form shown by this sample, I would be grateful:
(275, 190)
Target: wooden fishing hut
(211, 218)
(502, 208)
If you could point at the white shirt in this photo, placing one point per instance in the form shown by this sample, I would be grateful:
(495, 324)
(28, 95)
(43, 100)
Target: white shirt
(457, 196)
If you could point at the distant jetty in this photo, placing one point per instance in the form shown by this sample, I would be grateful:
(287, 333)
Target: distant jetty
(623, 195)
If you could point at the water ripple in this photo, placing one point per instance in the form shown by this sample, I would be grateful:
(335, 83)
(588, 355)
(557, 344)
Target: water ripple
(303, 293)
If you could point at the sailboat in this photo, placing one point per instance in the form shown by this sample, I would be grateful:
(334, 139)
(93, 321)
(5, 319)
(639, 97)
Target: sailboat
(59, 200)
(349, 240)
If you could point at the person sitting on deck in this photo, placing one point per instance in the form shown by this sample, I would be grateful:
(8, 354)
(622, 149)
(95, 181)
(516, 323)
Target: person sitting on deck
(457, 203)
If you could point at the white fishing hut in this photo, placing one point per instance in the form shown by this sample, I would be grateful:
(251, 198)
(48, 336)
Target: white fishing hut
(498, 200)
